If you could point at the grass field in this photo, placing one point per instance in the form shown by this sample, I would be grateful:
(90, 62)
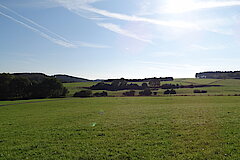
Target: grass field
(228, 87)
(193, 127)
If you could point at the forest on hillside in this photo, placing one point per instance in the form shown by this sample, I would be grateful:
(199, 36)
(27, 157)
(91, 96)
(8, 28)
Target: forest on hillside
(219, 75)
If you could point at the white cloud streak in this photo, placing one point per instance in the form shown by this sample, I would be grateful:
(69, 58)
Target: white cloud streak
(74, 3)
(90, 45)
(188, 6)
(117, 29)
(77, 7)
(178, 24)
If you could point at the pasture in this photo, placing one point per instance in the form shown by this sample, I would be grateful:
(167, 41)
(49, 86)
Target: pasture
(191, 127)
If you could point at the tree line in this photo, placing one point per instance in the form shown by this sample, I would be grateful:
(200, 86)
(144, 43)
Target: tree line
(122, 84)
(14, 87)
(219, 75)
(142, 80)
(116, 85)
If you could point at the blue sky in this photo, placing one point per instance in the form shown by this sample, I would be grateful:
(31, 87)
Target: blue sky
(119, 38)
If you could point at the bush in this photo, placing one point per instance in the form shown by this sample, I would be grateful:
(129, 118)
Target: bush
(145, 92)
(83, 93)
(172, 91)
(100, 94)
(130, 93)
(170, 86)
(199, 91)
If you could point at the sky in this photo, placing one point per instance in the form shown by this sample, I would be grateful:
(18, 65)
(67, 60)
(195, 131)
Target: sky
(100, 39)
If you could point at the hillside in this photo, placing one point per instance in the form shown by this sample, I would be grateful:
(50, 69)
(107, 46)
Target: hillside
(70, 79)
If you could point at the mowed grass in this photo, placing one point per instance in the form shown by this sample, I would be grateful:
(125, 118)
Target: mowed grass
(201, 127)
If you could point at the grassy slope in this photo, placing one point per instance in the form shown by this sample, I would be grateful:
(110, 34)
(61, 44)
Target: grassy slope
(229, 87)
(122, 128)
(75, 87)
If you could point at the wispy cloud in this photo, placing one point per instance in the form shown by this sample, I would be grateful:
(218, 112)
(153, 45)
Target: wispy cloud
(77, 7)
(90, 45)
(46, 33)
(187, 5)
(175, 24)
(81, 7)
(117, 29)
(75, 3)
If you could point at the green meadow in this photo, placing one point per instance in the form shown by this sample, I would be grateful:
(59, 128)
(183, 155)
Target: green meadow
(174, 127)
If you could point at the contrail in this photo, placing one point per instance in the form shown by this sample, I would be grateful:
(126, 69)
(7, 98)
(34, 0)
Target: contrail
(38, 25)
(44, 35)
